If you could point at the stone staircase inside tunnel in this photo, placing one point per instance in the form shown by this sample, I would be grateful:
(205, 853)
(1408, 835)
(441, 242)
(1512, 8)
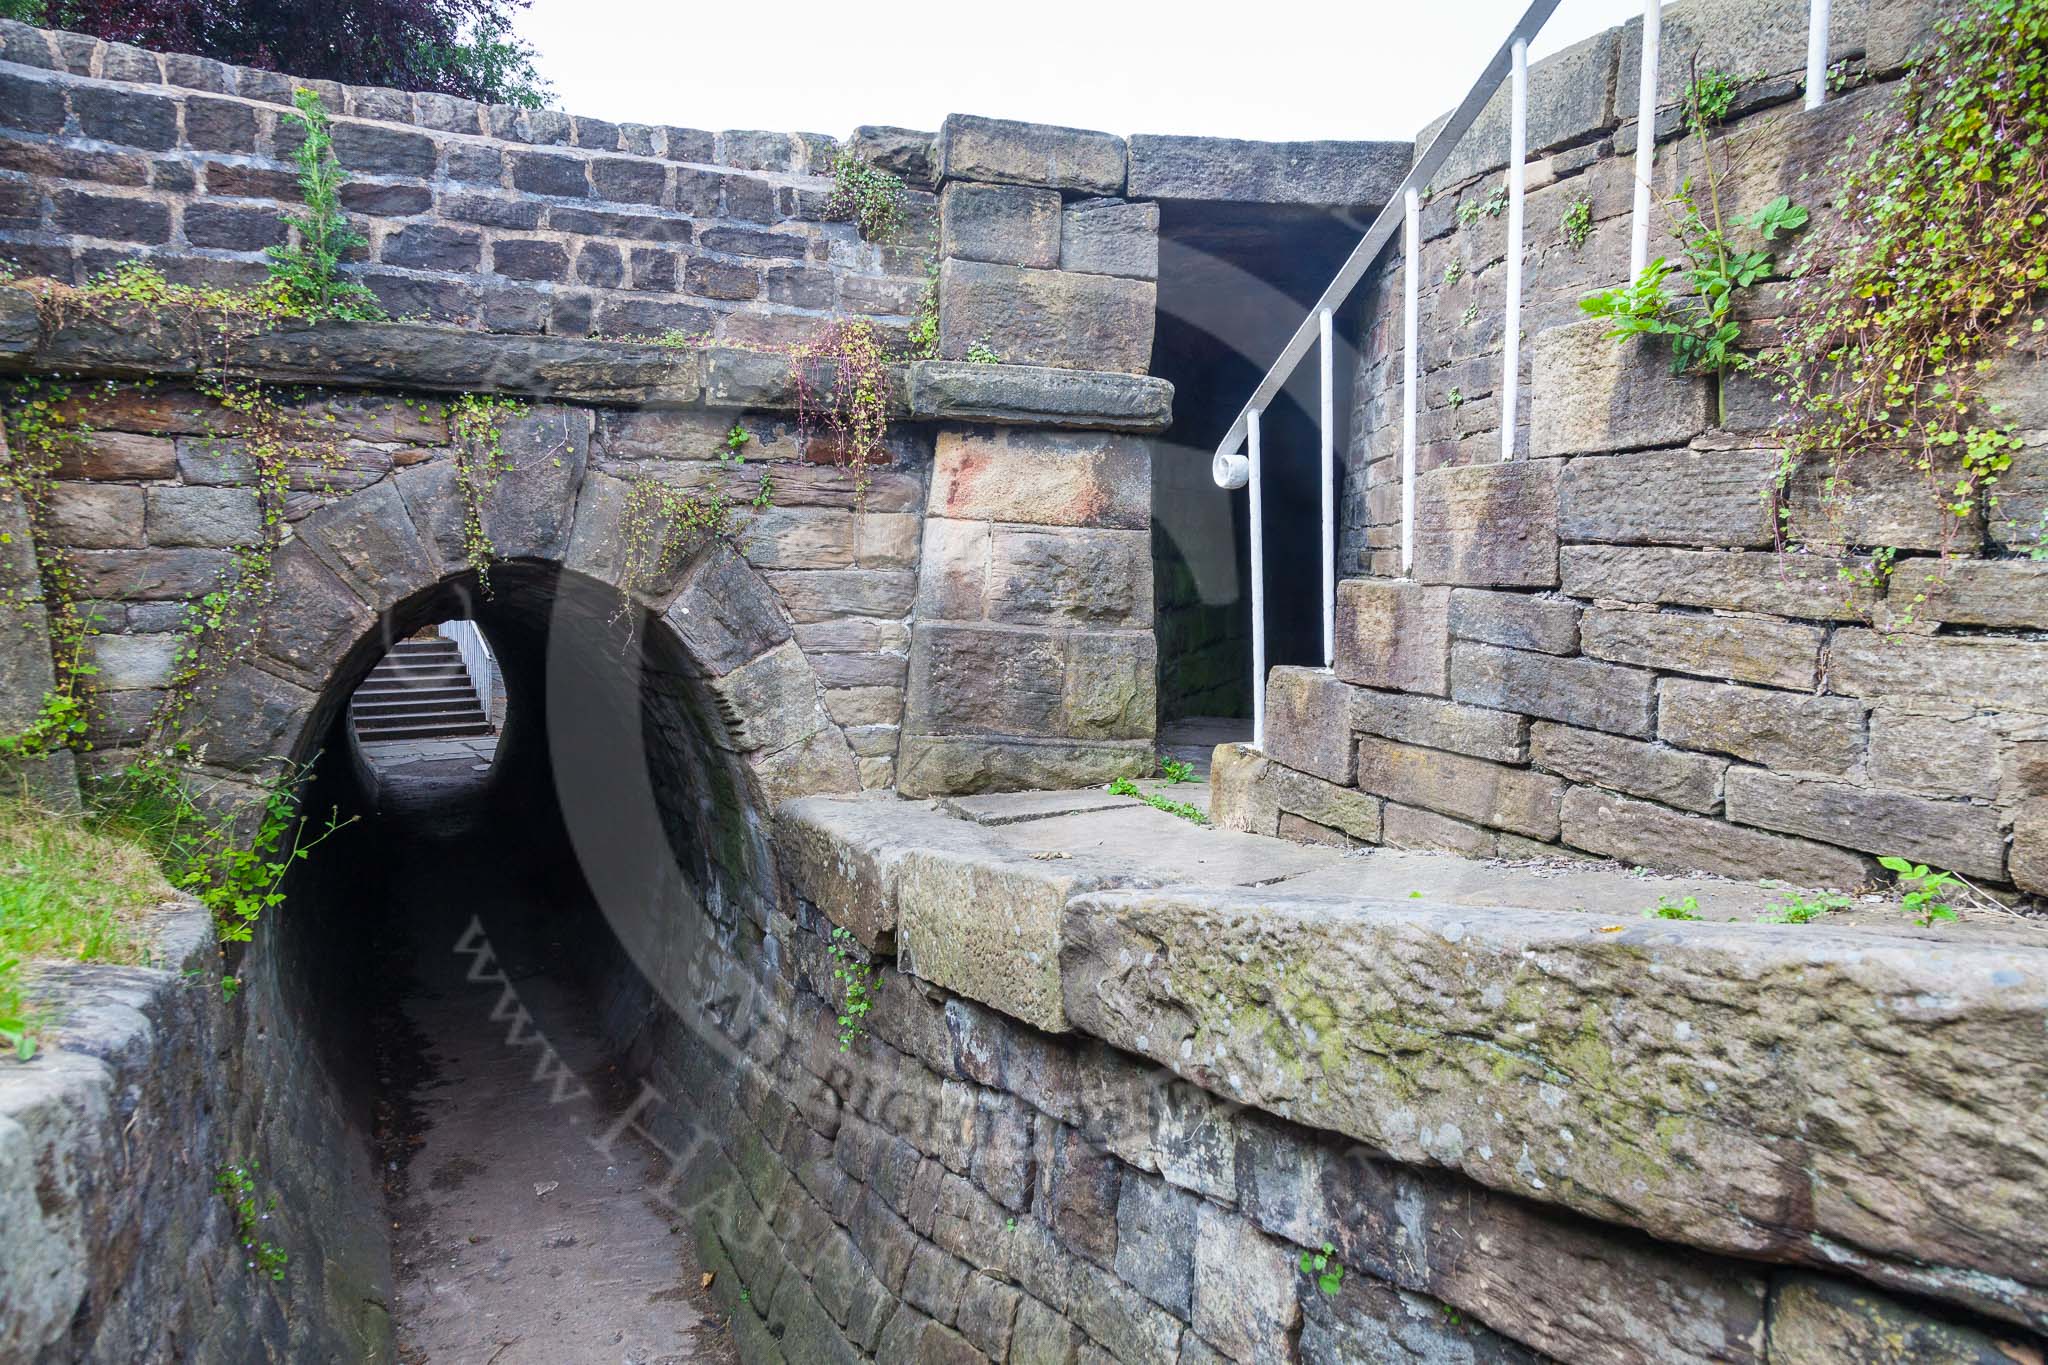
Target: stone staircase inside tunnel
(419, 690)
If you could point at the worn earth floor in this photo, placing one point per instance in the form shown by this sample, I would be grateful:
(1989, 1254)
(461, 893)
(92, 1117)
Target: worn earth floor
(519, 1236)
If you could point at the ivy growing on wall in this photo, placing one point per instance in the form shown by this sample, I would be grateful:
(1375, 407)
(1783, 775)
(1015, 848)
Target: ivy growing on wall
(1933, 266)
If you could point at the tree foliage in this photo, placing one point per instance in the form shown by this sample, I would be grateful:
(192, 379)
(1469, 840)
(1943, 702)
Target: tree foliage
(451, 47)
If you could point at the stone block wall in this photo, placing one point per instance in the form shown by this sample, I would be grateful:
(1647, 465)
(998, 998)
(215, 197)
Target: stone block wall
(1093, 1124)
(1606, 645)
(506, 219)
(1042, 258)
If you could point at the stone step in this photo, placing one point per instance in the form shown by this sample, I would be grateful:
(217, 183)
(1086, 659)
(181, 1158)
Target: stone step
(424, 730)
(462, 706)
(447, 691)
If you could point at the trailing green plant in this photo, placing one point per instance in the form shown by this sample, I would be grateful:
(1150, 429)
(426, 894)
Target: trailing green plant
(1469, 316)
(1327, 1269)
(236, 875)
(865, 195)
(856, 977)
(1795, 908)
(981, 353)
(1931, 268)
(1666, 908)
(1576, 224)
(475, 427)
(304, 272)
(250, 1210)
(41, 429)
(842, 391)
(1708, 99)
(1924, 892)
(1123, 786)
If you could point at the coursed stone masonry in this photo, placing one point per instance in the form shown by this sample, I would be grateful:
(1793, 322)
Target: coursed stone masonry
(1695, 696)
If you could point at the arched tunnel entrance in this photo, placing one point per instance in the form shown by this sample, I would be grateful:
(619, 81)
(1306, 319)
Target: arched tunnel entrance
(479, 966)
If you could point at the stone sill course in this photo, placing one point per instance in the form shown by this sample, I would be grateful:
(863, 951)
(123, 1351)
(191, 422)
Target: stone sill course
(1838, 1096)
(127, 341)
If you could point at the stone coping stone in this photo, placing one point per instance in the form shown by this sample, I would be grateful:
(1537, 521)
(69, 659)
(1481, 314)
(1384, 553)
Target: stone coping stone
(1826, 1093)
(131, 342)
(1036, 395)
(1330, 174)
(1804, 1093)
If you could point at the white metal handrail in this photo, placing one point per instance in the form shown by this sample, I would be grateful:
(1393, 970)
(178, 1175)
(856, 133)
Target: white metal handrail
(1237, 461)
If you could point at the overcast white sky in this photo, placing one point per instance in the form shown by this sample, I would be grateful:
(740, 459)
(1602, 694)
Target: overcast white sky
(1280, 69)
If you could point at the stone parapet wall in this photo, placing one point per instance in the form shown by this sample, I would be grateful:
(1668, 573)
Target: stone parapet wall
(1606, 644)
(1108, 1098)
(1024, 664)
(525, 221)
(120, 1247)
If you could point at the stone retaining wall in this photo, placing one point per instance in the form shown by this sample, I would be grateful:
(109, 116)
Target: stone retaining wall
(997, 1172)
(149, 1086)
(1604, 644)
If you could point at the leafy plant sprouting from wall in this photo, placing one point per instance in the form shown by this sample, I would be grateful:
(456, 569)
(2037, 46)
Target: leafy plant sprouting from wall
(304, 273)
(865, 195)
(249, 1209)
(1932, 268)
(857, 978)
(1714, 265)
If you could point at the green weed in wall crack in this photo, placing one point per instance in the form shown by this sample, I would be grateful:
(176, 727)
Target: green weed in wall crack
(865, 195)
(1701, 326)
(1709, 98)
(1325, 1267)
(250, 1210)
(856, 977)
(1576, 224)
(1123, 786)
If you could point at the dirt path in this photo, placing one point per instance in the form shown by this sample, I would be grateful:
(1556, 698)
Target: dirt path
(525, 1230)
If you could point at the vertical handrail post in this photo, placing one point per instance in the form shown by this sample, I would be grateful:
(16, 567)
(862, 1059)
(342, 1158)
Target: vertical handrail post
(1411, 312)
(1256, 491)
(1329, 426)
(1817, 19)
(1646, 140)
(1511, 342)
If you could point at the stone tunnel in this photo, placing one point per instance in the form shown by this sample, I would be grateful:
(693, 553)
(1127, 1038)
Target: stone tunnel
(815, 962)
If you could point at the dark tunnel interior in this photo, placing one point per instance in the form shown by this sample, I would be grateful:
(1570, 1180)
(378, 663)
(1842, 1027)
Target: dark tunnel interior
(1234, 282)
(461, 972)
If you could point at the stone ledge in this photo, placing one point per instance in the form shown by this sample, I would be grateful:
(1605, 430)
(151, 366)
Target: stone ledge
(1833, 1096)
(1034, 395)
(129, 342)
(1332, 174)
